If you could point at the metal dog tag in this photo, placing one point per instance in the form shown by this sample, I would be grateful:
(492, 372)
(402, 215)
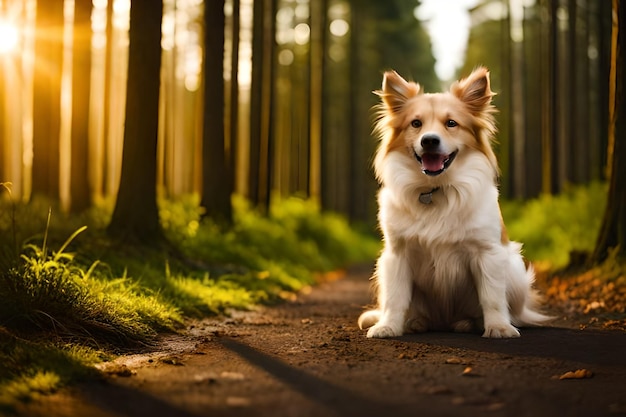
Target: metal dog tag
(426, 198)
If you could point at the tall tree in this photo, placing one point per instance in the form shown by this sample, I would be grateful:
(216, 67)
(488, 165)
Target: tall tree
(106, 101)
(80, 197)
(336, 123)
(234, 94)
(318, 25)
(261, 101)
(216, 186)
(136, 215)
(47, 100)
(613, 230)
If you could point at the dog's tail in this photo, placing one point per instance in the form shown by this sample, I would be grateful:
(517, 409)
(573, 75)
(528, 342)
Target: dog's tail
(369, 318)
(530, 314)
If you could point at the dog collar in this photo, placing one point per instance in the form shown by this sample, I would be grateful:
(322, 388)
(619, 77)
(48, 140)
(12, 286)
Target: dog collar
(427, 198)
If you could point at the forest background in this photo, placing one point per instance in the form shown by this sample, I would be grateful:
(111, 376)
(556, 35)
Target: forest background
(220, 154)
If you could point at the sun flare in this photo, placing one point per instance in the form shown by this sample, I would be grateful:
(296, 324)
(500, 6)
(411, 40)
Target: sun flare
(9, 37)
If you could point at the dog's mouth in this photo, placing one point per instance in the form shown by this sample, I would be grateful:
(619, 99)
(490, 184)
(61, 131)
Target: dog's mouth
(434, 164)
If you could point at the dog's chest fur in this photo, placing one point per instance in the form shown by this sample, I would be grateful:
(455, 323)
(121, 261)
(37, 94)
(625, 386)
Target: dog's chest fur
(440, 240)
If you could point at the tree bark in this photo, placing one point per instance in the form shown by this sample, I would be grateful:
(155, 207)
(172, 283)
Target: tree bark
(216, 188)
(234, 95)
(613, 230)
(261, 102)
(136, 216)
(80, 194)
(47, 98)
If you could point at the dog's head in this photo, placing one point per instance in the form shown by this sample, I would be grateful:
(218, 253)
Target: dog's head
(436, 129)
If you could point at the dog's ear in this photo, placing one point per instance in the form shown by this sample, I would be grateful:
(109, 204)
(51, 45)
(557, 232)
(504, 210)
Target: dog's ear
(396, 91)
(475, 90)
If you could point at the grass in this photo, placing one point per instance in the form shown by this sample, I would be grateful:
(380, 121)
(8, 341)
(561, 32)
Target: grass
(71, 297)
(31, 367)
(558, 232)
(554, 227)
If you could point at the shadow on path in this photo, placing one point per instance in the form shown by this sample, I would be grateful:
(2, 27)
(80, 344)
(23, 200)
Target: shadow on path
(327, 394)
(587, 346)
(116, 400)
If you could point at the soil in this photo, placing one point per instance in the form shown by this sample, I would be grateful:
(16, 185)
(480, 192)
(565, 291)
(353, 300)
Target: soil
(307, 357)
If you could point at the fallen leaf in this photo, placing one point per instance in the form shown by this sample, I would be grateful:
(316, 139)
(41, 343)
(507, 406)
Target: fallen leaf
(468, 371)
(577, 374)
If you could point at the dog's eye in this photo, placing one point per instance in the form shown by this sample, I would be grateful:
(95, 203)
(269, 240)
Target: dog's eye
(416, 123)
(451, 123)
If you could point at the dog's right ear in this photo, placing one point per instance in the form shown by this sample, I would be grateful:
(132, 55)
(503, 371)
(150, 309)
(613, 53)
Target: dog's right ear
(396, 91)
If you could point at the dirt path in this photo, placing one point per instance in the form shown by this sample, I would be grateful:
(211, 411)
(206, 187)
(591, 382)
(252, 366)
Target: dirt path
(308, 358)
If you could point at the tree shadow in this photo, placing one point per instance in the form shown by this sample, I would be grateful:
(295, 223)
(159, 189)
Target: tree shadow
(331, 396)
(587, 346)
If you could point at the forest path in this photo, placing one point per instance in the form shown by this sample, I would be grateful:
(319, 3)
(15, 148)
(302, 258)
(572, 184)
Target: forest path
(308, 358)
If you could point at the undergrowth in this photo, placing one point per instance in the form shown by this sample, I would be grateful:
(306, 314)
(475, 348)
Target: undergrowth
(559, 232)
(69, 293)
(552, 228)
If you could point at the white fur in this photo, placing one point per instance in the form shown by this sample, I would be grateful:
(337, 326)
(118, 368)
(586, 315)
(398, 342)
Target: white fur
(444, 265)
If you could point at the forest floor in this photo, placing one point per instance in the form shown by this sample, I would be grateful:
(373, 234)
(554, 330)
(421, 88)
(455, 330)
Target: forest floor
(307, 357)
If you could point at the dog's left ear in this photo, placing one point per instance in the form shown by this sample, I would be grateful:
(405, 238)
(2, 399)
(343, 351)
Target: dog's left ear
(474, 90)
(396, 91)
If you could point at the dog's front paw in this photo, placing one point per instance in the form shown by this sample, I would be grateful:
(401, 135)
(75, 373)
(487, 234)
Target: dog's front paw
(501, 331)
(383, 332)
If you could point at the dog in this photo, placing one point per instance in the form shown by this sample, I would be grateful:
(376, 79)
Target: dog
(447, 263)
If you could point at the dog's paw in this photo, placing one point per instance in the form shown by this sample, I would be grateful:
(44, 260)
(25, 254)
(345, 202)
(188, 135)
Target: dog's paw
(463, 326)
(382, 332)
(501, 331)
(416, 325)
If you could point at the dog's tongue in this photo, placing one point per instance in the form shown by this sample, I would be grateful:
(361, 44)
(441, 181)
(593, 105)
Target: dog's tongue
(433, 161)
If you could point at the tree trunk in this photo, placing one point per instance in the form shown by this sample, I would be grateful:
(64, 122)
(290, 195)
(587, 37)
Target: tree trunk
(47, 98)
(517, 132)
(261, 102)
(613, 230)
(136, 215)
(80, 198)
(216, 189)
(255, 101)
(318, 30)
(360, 43)
(336, 127)
(554, 66)
(234, 96)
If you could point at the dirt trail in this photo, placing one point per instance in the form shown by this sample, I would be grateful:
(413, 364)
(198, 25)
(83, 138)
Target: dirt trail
(308, 358)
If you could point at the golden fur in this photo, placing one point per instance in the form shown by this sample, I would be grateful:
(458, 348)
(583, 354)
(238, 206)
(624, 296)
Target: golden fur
(447, 263)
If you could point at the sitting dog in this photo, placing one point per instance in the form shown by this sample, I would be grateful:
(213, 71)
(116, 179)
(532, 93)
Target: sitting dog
(447, 263)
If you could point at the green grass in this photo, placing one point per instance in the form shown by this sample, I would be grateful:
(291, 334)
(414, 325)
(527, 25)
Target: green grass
(552, 227)
(29, 368)
(69, 293)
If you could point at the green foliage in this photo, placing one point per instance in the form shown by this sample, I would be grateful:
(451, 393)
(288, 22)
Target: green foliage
(51, 293)
(30, 368)
(94, 293)
(283, 248)
(551, 227)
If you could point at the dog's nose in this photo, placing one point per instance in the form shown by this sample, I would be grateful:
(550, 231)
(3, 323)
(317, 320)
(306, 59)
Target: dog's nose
(430, 141)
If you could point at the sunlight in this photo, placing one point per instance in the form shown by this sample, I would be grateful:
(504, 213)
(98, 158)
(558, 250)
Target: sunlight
(9, 37)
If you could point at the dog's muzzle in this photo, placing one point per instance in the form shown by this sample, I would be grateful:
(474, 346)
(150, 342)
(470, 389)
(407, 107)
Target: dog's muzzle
(434, 164)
